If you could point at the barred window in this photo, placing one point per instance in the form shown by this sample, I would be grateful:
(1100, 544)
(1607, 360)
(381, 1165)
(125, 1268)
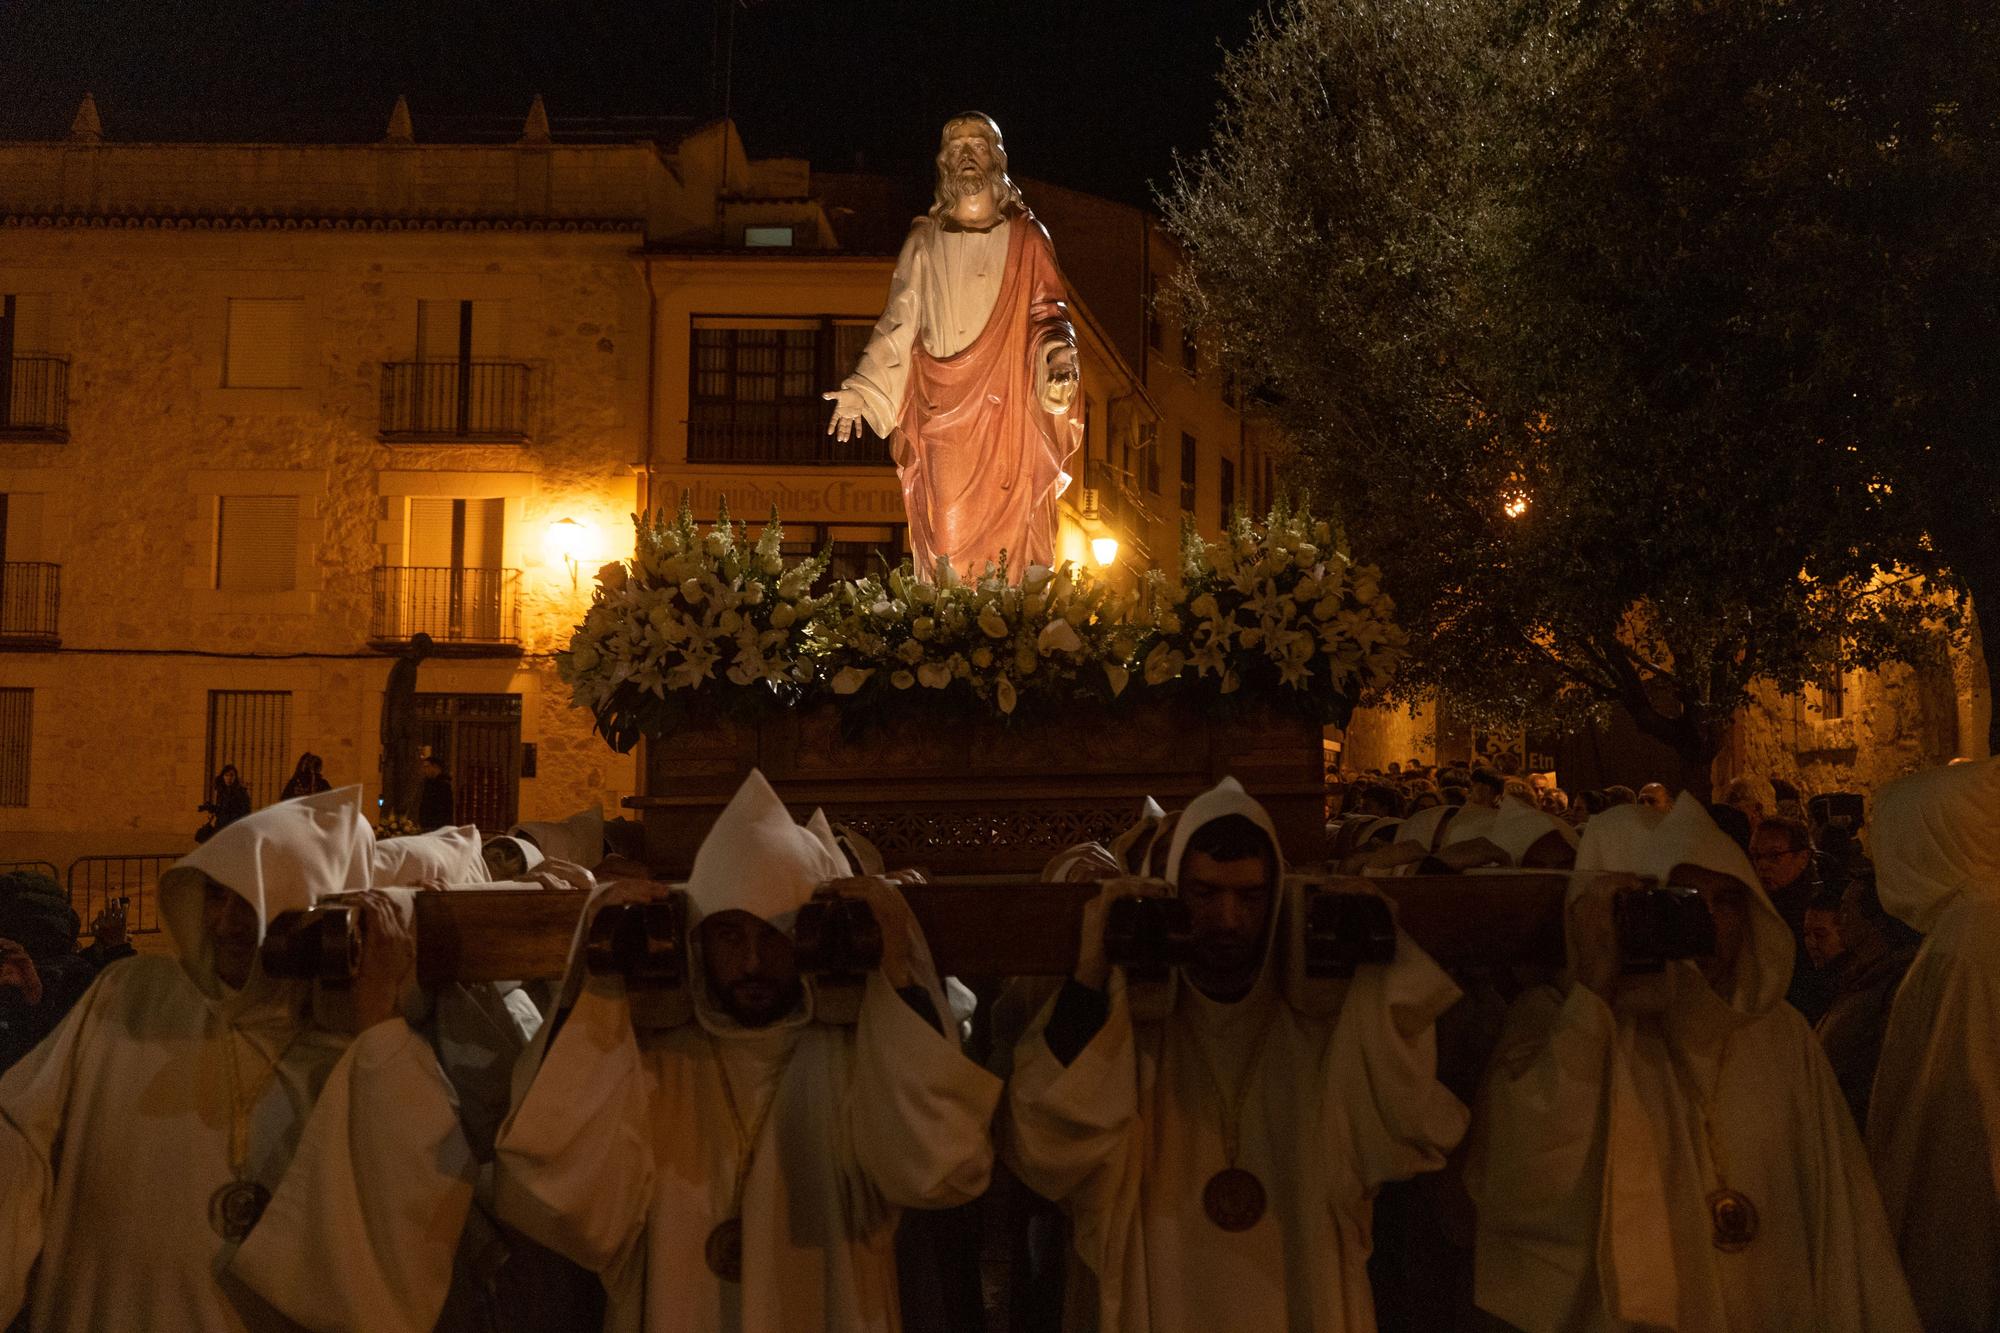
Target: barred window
(252, 730)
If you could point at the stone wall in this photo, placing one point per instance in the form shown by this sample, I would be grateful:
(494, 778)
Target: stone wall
(129, 502)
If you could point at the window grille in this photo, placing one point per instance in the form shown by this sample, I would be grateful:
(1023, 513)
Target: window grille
(251, 729)
(754, 391)
(476, 739)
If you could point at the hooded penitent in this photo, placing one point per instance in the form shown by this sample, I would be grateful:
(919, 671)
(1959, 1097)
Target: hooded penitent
(578, 839)
(446, 856)
(1606, 1137)
(166, 1088)
(1128, 1134)
(624, 1153)
(1934, 1121)
(1517, 827)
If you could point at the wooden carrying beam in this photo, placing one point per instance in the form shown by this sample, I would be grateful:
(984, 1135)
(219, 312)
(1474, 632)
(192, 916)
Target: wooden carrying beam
(995, 929)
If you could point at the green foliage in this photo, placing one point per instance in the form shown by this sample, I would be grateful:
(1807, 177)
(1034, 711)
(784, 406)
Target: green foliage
(1604, 323)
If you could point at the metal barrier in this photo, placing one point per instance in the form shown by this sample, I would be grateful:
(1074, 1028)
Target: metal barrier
(99, 879)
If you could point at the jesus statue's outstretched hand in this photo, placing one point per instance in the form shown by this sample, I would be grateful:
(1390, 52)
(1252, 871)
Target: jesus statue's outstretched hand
(847, 421)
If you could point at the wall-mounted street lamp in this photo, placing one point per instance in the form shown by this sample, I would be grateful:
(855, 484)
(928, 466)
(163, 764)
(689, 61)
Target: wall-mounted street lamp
(1104, 550)
(571, 542)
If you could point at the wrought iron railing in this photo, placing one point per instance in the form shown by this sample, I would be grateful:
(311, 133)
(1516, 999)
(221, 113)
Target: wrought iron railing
(779, 432)
(455, 400)
(30, 598)
(451, 604)
(34, 397)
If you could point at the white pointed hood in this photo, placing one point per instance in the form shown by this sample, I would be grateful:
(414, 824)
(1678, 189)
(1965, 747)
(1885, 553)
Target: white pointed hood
(1936, 838)
(1472, 821)
(447, 855)
(1424, 825)
(282, 858)
(1641, 841)
(1517, 826)
(1687, 835)
(578, 839)
(756, 859)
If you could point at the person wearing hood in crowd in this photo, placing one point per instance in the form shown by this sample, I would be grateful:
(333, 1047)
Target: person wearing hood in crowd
(1218, 1165)
(1670, 1150)
(578, 840)
(512, 859)
(190, 1149)
(1655, 796)
(1934, 1120)
(745, 1170)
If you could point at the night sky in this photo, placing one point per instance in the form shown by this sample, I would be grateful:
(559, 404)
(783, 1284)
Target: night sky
(1095, 94)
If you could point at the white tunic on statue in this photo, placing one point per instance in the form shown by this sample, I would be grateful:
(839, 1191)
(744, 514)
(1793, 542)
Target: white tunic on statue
(943, 291)
(622, 1155)
(1934, 1121)
(115, 1132)
(1591, 1168)
(1128, 1134)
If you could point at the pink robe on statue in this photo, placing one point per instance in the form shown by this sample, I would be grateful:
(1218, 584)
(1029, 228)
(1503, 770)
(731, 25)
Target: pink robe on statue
(981, 461)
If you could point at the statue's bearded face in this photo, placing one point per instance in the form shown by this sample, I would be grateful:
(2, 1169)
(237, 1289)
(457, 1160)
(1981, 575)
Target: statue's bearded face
(968, 159)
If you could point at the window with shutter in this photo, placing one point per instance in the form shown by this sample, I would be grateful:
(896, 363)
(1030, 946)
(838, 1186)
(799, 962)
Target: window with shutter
(257, 543)
(265, 343)
(17, 719)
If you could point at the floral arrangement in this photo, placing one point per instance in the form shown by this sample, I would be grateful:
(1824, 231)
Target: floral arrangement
(698, 622)
(388, 825)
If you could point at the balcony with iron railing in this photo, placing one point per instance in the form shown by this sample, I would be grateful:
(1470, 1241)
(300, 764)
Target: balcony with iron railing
(466, 612)
(455, 402)
(34, 398)
(30, 597)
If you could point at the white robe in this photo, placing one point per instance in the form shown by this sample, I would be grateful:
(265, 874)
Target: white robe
(1591, 1169)
(943, 291)
(622, 1157)
(621, 1153)
(1934, 1120)
(1127, 1135)
(115, 1132)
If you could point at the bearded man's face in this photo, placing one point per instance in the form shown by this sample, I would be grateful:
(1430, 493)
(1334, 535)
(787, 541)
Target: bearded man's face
(968, 158)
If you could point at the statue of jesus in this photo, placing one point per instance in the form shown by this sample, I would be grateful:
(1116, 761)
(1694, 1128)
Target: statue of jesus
(971, 373)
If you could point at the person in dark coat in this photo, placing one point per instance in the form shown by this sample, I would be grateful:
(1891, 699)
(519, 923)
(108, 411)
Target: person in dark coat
(436, 805)
(42, 972)
(306, 779)
(228, 799)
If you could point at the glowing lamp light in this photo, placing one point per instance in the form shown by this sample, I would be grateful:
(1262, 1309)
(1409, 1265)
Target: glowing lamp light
(1104, 549)
(571, 542)
(1515, 505)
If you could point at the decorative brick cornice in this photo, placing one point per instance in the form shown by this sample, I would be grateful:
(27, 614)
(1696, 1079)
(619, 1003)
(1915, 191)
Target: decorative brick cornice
(275, 222)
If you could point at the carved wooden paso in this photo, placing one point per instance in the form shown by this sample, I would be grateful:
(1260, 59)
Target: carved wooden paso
(984, 797)
(996, 928)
